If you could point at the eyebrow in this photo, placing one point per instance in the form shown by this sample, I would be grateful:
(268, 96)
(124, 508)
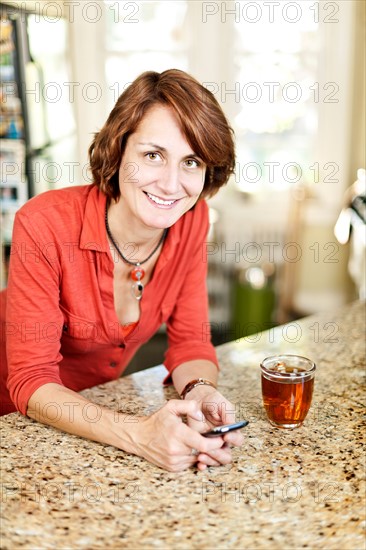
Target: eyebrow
(161, 148)
(153, 145)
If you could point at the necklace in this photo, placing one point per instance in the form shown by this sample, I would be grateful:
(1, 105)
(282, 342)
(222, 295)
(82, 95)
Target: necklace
(137, 273)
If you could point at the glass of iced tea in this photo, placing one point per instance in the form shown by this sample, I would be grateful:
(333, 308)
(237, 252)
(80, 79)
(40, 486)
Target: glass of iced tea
(287, 389)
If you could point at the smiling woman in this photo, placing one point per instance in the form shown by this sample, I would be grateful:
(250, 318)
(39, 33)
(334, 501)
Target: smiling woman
(169, 176)
(116, 259)
(198, 115)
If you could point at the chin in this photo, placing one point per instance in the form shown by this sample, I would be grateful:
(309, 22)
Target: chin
(161, 221)
(164, 218)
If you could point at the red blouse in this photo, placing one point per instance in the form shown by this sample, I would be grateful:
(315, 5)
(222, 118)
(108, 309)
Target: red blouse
(61, 325)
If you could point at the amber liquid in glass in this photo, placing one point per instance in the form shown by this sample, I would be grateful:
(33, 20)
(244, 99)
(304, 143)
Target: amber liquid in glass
(286, 402)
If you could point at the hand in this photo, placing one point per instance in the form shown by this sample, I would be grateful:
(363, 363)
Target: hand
(165, 440)
(217, 411)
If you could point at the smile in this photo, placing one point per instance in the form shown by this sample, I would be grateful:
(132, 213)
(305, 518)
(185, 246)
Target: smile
(160, 201)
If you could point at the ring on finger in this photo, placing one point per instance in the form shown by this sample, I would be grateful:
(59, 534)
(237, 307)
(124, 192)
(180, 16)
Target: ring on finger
(194, 452)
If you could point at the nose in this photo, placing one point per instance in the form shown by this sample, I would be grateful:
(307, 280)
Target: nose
(170, 181)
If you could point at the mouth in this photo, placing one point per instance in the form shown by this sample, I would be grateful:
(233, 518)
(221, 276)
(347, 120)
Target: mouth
(158, 201)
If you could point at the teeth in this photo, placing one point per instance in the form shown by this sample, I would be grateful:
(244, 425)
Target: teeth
(159, 201)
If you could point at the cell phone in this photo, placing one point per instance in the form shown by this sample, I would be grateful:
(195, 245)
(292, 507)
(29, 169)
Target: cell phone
(221, 430)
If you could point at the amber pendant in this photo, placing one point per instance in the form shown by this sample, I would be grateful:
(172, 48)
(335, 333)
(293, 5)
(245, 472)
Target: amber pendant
(137, 273)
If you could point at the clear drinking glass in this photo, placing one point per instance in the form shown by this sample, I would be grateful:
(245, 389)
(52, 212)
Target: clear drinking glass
(287, 389)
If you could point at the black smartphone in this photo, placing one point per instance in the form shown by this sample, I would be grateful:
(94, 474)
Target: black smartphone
(221, 430)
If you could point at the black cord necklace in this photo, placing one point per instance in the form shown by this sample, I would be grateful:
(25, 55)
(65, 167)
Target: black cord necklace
(137, 273)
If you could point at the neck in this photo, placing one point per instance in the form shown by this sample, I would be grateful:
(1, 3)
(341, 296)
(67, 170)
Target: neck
(128, 231)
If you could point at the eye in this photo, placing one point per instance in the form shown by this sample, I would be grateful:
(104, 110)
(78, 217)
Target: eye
(153, 156)
(192, 163)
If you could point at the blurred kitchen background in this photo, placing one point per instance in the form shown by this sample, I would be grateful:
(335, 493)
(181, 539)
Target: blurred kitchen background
(287, 236)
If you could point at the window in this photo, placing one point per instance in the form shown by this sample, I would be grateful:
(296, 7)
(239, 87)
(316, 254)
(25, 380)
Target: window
(276, 67)
(143, 36)
(261, 60)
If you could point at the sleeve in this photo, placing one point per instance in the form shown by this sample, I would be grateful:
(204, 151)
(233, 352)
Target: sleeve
(34, 320)
(188, 327)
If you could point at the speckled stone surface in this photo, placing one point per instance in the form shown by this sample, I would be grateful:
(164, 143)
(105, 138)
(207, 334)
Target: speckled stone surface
(284, 490)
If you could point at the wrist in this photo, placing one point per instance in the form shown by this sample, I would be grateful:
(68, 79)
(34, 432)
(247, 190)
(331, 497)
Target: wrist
(121, 430)
(197, 384)
(199, 392)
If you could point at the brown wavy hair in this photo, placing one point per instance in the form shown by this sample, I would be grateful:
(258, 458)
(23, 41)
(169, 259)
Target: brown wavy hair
(201, 118)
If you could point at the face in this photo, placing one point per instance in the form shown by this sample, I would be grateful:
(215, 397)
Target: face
(160, 176)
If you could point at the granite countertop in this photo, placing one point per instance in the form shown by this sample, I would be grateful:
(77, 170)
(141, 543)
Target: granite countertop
(284, 490)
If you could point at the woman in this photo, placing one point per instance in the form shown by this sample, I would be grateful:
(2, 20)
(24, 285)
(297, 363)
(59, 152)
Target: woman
(96, 269)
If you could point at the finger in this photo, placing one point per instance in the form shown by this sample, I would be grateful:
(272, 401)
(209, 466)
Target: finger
(179, 463)
(196, 444)
(180, 466)
(228, 414)
(208, 461)
(194, 440)
(223, 455)
(190, 408)
(197, 425)
(216, 457)
(236, 439)
(219, 408)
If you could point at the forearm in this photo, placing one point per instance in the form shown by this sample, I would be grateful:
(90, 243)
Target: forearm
(191, 370)
(162, 438)
(69, 411)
